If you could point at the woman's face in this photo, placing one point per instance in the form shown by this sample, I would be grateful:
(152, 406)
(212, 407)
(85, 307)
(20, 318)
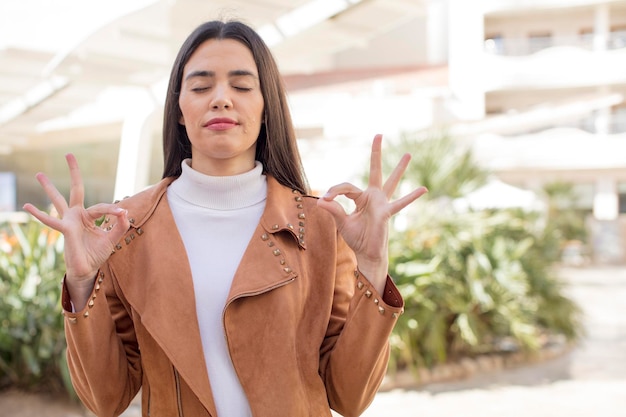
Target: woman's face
(222, 107)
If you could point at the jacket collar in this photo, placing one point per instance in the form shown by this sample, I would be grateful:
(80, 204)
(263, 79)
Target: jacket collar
(283, 211)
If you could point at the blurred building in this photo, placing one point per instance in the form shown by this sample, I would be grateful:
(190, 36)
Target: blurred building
(536, 87)
(553, 85)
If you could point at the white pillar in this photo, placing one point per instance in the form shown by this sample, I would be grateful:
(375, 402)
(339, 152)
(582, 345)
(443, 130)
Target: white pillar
(601, 35)
(466, 69)
(601, 27)
(133, 162)
(605, 200)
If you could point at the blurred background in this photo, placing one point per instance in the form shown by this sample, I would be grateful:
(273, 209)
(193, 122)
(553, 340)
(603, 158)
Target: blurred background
(536, 87)
(513, 111)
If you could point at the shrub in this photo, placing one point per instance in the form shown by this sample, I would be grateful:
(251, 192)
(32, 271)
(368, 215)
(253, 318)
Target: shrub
(32, 344)
(474, 282)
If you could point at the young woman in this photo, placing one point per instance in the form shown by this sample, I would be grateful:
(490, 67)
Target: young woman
(225, 289)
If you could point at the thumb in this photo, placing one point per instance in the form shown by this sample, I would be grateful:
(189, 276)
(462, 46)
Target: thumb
(334, 208)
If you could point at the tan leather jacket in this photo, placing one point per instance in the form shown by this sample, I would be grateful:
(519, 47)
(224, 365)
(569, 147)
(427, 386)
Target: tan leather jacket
(305, 332)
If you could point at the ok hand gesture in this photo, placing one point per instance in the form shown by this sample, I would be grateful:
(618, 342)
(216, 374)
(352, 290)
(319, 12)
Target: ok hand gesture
(87, 246)
(365, 230)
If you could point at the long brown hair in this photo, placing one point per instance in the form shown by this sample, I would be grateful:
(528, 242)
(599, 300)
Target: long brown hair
(276, 145)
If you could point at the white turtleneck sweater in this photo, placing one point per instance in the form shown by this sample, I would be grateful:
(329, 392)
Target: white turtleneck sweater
(216, 217)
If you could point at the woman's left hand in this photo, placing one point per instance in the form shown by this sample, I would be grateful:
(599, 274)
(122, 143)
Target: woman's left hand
(365, 230)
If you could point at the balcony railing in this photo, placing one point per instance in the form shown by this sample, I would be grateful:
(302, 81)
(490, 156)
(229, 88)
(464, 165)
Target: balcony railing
(527, 46)
(590, 124)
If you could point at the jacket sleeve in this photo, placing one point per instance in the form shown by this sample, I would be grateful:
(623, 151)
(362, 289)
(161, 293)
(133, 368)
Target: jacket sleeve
(102, 350)
(355, 352)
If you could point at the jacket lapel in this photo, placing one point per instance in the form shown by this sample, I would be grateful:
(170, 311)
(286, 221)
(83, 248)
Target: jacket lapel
(267, 263)
(160, 289)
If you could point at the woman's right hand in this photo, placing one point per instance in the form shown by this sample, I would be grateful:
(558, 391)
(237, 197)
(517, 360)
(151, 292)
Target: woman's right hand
(87, 246)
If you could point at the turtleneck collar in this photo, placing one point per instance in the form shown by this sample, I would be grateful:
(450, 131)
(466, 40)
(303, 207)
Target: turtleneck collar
(220, 193)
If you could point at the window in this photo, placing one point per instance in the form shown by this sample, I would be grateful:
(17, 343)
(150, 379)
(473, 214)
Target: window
(586, 37)
(621, 192)
(538, 41)
(618, 119)
(617, 38)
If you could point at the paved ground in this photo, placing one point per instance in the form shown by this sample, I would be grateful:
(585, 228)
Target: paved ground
(590, 381)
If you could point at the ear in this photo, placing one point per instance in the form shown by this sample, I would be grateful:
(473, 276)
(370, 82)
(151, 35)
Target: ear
(181, 120)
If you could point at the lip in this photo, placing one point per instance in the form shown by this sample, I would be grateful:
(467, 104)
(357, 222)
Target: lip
(221, 123)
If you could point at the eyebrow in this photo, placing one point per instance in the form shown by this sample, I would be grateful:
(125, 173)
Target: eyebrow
(209, 74)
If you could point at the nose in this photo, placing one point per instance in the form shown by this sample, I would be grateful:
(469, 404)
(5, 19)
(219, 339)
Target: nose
(221, 98)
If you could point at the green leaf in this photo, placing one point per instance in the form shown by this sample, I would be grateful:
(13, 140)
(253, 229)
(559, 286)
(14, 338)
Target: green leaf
(30, 360)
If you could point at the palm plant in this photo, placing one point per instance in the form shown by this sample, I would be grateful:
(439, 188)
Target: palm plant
(474, 282)
(439, 162)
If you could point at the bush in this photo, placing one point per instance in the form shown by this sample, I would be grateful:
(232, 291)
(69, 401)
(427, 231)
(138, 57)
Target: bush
(473, 284)
(476, 282)
(32, 343)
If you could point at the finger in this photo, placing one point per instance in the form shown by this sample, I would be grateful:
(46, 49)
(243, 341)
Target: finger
(103, 209)
(401, 203)
(394, 179)
(56, 198)
(116, 227)
(45, 218)
(376, 172)
(335, 209)
(120, 226)
(349, 190)
(77, 190)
